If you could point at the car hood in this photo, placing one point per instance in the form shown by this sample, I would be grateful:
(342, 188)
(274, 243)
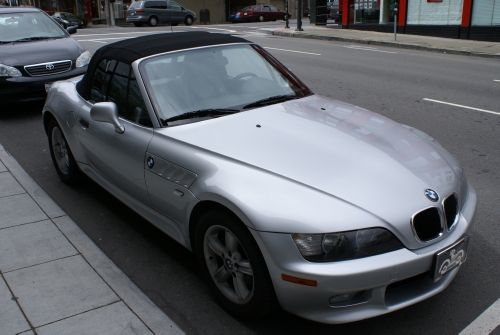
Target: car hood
(347, 152)
(34, 52)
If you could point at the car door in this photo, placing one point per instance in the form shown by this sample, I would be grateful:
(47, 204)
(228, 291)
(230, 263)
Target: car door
(177, 12)
(276, 14)
(118, 157)
(266, 11)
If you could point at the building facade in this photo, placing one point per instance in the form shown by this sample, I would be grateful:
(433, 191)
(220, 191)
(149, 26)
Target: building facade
(463, 19)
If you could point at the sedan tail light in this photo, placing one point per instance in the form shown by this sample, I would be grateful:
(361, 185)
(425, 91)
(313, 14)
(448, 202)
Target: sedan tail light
(139, 10)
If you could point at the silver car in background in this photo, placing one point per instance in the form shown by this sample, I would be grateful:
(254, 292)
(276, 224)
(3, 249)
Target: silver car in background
(153, 12)
(287, 198)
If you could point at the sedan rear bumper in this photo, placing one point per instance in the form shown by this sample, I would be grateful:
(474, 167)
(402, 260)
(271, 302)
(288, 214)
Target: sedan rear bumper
(383, 283)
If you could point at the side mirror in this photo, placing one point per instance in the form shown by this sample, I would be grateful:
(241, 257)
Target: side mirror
(71, 30)
(107, 112)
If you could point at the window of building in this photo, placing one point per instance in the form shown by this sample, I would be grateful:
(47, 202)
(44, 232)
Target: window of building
(486, 13)
(447, 12)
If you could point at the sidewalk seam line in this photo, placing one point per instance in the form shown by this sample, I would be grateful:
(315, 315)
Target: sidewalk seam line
(16, 299)
(53, 260)
(25, 223)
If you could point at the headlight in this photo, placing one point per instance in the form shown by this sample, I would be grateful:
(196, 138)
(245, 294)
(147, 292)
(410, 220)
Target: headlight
(83, 59)
(347, 245)
(9, 71)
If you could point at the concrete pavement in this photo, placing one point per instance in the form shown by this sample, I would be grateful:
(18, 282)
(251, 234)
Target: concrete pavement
(436, 44)
(53, 278)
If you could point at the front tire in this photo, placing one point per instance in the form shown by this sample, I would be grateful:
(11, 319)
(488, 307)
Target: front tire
(188, 20)
(233, 265)
(153, 21)
(261, 18)
(61, 155)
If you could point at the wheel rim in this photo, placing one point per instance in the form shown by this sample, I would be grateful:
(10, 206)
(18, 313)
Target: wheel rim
(60, 150)
(228, 264)
(153, 21)
(261, 18)
(189, 21)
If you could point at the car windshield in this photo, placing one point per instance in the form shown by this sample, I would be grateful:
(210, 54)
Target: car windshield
(135, 5)
(25, 27)
(219, 79)
(68, 16)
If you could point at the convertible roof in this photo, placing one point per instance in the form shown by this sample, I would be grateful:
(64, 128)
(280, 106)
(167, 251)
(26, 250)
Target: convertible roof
(130, 50)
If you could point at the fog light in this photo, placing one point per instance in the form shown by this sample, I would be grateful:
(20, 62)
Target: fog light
(350, 299)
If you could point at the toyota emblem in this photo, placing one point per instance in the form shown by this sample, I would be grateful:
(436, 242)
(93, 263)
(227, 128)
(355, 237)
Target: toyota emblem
(49, 66)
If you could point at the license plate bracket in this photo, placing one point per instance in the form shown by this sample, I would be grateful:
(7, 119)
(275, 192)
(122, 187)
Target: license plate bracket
(449, 258)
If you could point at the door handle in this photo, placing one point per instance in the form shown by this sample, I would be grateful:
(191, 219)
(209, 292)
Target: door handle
(85, 124)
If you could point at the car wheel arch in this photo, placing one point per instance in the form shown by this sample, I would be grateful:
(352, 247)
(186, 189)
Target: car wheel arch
(209, 205)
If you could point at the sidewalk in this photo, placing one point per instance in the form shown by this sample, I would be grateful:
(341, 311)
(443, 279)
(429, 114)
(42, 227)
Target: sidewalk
(53, 278)
(436, 44)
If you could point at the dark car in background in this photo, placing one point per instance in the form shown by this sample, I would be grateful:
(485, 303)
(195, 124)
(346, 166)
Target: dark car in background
(259, 13)
(68, 20)
(152, 12)
(35, 51)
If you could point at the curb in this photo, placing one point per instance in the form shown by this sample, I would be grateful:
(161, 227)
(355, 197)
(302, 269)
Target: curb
(140, 304)
(380, 43)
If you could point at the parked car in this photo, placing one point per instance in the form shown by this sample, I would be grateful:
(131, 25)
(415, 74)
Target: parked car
(259, 13)
(152, 12)
(35, 51)
(287, 198)
(68, 20)
(334, 12)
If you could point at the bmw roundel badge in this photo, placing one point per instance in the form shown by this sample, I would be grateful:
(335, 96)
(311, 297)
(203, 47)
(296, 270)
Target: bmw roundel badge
(431, 195)
(151, 162)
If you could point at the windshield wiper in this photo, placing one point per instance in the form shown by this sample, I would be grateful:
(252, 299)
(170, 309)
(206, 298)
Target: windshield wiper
(202, 113)
(34, 38)
(270, 101)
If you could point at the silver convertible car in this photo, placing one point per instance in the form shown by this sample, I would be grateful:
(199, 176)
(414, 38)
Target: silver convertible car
(287, 198)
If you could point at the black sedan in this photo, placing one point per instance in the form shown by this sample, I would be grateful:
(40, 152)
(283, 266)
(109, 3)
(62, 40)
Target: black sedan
(34, 52)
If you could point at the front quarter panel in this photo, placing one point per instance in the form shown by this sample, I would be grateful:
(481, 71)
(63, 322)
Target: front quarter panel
(64, 104)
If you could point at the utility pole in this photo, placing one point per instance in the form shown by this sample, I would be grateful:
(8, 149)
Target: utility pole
(286, 13)
(395, 19)
(299, 17)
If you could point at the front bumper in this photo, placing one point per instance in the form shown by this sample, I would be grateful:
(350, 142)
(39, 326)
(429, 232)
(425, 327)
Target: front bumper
(389, 281)
(27, 88)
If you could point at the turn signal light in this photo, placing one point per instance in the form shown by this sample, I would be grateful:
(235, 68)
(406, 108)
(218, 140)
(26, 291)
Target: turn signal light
(301, 281)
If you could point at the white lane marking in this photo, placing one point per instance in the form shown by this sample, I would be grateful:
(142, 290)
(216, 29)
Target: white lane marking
(484, 323)
(300, 52)
(132, 32)
(462, 106)
(92, 41)
(231, 31)
(495, 80)
(368, 49)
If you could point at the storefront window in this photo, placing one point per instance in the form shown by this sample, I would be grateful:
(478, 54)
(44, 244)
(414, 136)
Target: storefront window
(446, 12)
(374, 11)
(486, 13)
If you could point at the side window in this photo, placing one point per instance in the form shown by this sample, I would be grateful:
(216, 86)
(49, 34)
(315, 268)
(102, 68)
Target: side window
(256, 8)
(273, 9)
(117, 92)
(266, 8)
(175, 6)
(136, 111)
(115, 81)
(100, 82)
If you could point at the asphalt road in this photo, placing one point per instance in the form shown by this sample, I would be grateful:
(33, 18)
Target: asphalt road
(392, 82)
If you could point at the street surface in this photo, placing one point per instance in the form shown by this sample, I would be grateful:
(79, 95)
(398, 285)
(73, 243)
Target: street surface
(412, 87)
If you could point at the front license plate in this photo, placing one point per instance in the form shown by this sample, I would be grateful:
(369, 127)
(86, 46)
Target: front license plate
(47, 87)
(450, 258)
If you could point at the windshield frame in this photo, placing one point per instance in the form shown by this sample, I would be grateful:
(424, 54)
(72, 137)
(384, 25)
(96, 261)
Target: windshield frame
(298, 87)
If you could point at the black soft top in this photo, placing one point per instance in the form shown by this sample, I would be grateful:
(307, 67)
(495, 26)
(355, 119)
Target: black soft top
(130, 50)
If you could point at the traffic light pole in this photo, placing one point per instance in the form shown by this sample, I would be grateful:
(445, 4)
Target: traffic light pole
(286, 13)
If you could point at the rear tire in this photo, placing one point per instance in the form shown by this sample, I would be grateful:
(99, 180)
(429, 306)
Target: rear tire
(61, 155)
(233, 266)
(153, 21)
(188, 20)
(261, 18)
